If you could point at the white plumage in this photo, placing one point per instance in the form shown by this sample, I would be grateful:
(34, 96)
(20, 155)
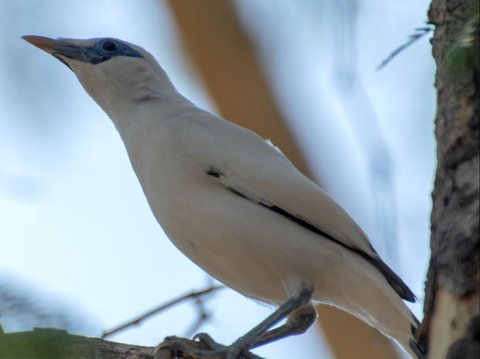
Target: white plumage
(230, 201)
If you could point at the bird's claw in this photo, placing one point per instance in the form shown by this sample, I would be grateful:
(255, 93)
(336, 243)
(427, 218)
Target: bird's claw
(208, 342)
(204, 346)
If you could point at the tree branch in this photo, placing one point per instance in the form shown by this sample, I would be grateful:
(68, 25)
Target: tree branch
(161, 308)
(58, 344)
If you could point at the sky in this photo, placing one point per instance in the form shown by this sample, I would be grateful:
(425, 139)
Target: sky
(75, 228)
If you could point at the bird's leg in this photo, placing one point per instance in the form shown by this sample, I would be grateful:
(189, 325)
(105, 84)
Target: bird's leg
(297, 323)
(300, 316)
(256, 335)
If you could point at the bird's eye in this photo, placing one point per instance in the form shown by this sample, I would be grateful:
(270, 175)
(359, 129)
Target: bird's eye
(110, 46)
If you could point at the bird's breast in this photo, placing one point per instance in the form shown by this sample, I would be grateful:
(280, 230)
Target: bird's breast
(249, 248)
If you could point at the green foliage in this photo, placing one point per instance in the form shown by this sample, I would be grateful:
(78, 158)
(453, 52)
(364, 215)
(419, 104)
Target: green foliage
(462, 57)
(38, 344)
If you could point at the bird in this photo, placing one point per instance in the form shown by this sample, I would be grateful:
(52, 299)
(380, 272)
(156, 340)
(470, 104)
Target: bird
(236, 206)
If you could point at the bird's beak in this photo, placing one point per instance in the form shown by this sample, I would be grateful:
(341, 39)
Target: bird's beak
(59, 49)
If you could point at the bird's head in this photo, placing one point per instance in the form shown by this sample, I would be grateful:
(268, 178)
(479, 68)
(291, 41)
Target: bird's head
(114, 72)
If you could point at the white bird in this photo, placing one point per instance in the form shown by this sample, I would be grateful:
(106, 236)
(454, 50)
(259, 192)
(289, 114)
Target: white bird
(235, 205)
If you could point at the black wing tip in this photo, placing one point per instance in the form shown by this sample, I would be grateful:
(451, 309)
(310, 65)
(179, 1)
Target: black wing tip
(407, 294)
(395, 281)
(402, 289)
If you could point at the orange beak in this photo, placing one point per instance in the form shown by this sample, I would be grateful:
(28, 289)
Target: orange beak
(59, 49)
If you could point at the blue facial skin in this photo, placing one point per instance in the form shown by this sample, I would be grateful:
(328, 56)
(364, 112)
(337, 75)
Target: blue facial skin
(102, 51)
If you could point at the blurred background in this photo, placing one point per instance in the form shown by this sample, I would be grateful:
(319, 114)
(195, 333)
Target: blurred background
(79, 247)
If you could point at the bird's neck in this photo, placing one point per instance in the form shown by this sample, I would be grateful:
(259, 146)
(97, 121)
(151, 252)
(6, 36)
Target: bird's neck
(151, 106)
(154, 100)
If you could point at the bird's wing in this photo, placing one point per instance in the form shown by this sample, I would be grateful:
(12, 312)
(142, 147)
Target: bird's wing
(252, 168)
(259, 171)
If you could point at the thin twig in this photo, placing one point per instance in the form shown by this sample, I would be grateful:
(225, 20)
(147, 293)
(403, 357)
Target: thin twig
(160, 308)
(202, 316)
(419, 33)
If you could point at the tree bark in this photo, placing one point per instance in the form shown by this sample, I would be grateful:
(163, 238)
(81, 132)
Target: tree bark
(451, 325)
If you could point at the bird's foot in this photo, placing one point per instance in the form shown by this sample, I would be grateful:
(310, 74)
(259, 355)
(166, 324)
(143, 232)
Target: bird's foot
(203, 346)
(237, 350)
(208, 342)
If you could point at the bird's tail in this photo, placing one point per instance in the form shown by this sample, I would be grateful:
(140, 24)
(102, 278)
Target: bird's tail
(396, 321)
(414, 349)
(392, 317)
(377, 303)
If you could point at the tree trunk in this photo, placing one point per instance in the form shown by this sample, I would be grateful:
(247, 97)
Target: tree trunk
(451, 327)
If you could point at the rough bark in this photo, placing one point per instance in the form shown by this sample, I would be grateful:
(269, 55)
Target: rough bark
(450, 329)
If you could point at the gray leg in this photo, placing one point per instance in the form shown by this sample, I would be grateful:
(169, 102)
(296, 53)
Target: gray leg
(253, 336)
(259, 335)
(297, 323)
